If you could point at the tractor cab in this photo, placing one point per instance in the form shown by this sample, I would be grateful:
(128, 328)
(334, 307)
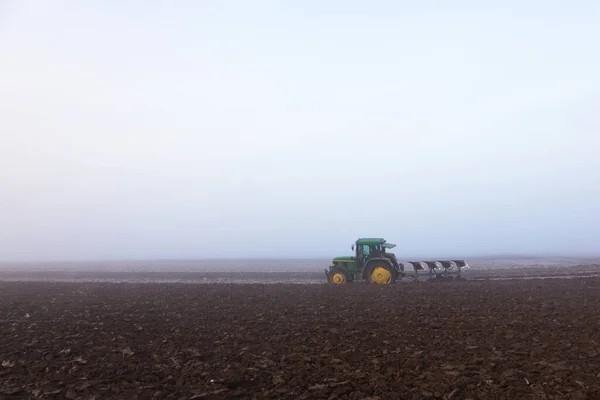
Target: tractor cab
(367, 249)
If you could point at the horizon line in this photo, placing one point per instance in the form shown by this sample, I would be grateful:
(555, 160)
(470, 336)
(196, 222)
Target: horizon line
(498, 256)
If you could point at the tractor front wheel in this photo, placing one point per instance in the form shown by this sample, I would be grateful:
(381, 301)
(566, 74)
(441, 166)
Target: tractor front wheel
(380, 274)
(338, 276)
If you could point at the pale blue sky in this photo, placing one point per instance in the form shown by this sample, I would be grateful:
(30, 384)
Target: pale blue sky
(146, 129)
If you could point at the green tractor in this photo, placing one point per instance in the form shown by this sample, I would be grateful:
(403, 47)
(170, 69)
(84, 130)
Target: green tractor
(372, 263)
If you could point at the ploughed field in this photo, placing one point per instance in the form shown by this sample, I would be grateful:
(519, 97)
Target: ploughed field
(448, 340)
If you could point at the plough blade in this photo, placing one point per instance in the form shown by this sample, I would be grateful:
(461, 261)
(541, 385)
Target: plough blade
(417, 265)
(432, 265)
(446, 264)
(460, 264)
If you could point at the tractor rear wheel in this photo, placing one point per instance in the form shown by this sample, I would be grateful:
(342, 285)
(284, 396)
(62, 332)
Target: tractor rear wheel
(338, 276)
(380, 273)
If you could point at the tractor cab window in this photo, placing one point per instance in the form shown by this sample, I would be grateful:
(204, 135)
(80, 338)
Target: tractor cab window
(362, 252)
(366, 250)
(375, 250)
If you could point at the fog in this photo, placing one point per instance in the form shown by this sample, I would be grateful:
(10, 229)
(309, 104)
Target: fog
(286, 129)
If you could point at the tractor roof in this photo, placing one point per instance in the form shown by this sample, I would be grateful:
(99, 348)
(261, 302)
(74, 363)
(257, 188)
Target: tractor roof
(369, 241)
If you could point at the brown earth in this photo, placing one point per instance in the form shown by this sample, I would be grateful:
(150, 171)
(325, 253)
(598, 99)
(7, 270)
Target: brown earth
(453, 340)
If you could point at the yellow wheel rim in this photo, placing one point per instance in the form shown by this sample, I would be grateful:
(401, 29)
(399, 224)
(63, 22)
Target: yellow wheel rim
(381, 275)
(338, 278)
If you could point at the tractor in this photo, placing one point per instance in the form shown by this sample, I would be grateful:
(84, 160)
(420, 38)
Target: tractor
(372, 263)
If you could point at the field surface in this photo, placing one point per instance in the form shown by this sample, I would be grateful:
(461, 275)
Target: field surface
(484, 339)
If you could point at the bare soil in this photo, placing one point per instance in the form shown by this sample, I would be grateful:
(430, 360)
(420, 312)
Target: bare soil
(473, 339)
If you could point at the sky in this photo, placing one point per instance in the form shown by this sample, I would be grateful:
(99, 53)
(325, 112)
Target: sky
(191, 129)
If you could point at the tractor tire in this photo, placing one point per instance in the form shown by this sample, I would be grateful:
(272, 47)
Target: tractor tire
(338, 276)
(380, 273)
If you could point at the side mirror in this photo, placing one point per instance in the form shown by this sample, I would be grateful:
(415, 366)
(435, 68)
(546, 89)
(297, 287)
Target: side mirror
(352, 247)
